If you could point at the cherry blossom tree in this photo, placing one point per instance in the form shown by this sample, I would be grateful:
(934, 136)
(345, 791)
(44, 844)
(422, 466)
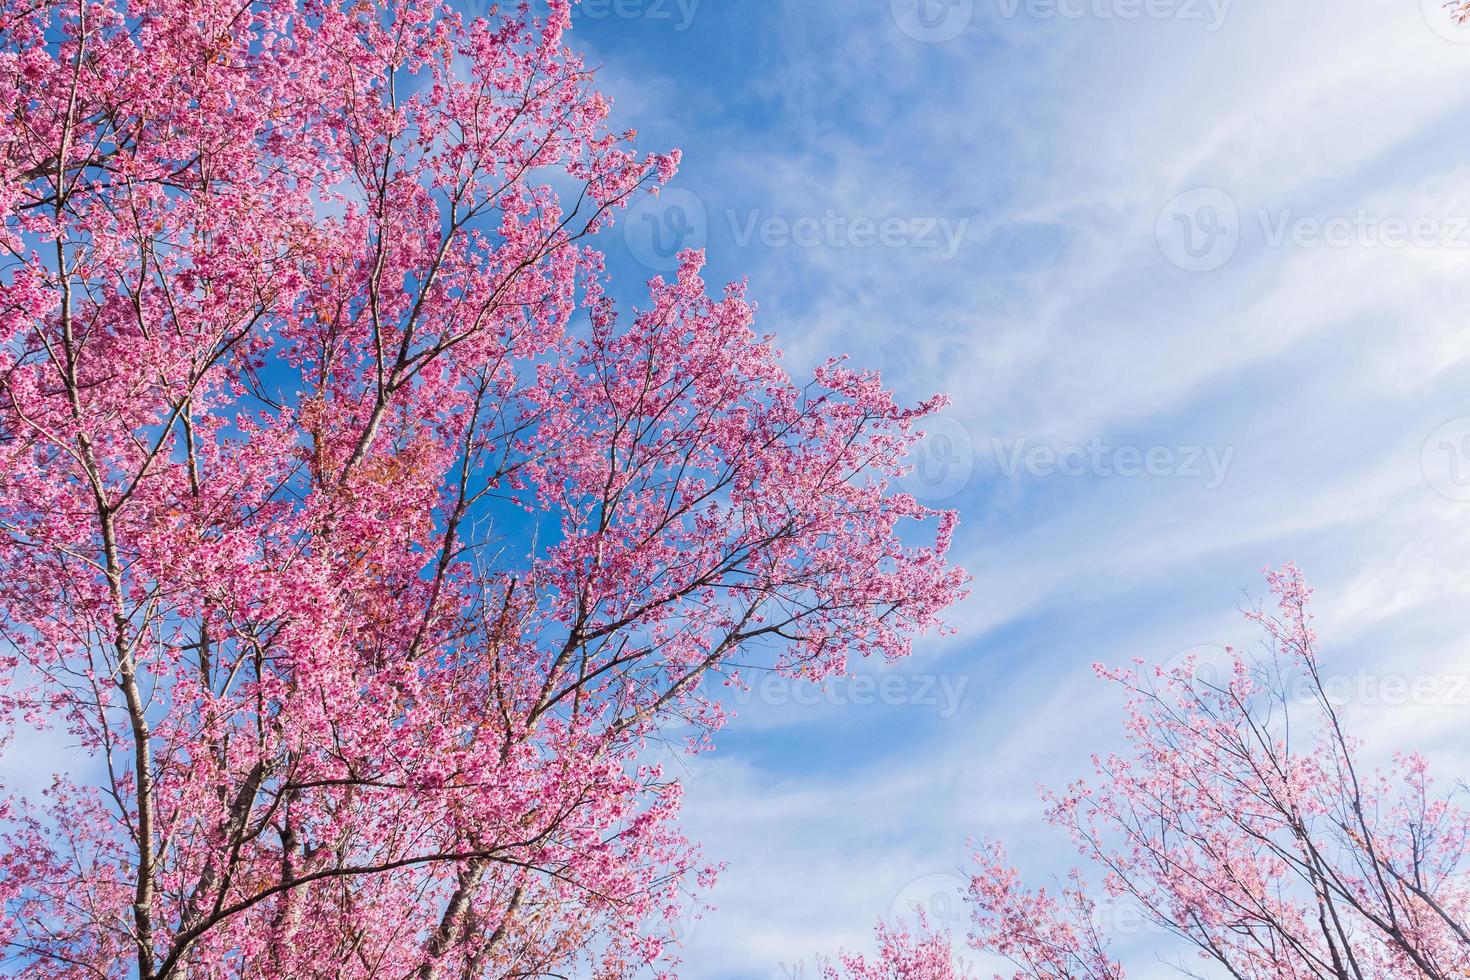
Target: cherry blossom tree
(367, 554)
(1052, 935)
(1243, 820)
(902, 954)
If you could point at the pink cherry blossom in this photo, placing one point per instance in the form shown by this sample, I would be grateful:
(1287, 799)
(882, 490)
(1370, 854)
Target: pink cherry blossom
(902, 954)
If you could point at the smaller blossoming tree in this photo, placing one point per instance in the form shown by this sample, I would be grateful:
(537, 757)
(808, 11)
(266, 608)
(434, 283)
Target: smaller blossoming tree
(1242, 820)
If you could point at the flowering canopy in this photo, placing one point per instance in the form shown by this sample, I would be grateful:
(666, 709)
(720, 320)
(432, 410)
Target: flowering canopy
(349, 530)
(903, 953)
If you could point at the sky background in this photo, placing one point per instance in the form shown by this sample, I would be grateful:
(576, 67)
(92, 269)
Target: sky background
(1194, 274)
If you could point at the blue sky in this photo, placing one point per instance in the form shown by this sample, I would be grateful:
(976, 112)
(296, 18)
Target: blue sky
(1195, 276)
